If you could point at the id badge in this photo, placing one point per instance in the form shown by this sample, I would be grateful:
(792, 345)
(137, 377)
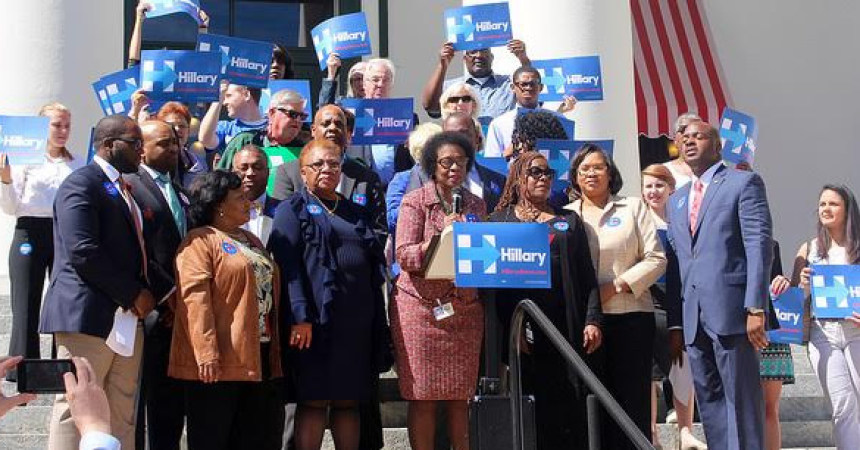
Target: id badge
(443, 311)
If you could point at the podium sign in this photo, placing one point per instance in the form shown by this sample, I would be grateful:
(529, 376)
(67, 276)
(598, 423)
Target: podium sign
(502, 255)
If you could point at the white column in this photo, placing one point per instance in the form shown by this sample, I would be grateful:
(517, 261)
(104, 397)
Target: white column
(565, 28)
(52, 50)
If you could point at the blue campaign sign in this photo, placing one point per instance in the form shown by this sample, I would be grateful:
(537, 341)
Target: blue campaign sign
(119, 87)
(835, 291)
(165, 7)
(91, 150)
(789, 310)
(479, 26)
(102, 97)
(345, 35)
(181, 75)
(380, 121)
(579, 77)
(502, 255)
(558, 154)
(243, 61)
(738, 133)
(303, 87)
(24, 139)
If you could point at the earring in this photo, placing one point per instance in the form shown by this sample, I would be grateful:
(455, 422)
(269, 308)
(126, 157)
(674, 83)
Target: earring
(221, 213)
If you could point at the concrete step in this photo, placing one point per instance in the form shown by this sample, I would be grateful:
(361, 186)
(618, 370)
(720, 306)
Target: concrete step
(23, 441)
(29, 420)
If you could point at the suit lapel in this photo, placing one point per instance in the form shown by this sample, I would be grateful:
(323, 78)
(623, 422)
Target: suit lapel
(680, 218)
(710, 193)
(117, 199)
(153, 188)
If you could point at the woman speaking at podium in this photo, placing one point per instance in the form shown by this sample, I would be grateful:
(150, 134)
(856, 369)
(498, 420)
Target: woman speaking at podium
(436, 327)
(572, 304)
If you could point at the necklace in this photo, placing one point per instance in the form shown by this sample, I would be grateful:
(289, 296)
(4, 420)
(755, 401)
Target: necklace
(331, 210)
(527, 212)
(447, 207)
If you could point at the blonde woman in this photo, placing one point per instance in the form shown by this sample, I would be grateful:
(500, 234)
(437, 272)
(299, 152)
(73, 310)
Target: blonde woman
(460, 97)
(27, 192)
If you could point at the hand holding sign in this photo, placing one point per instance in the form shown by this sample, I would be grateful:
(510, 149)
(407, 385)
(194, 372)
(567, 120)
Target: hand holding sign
(480, 26)
(5, 169)
(24, 139)
(346, 35)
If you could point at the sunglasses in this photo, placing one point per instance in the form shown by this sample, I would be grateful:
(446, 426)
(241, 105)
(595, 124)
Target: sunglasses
(293, 114)
(318, 165)
(538, 173)
(461, 98)
(528, 84)
(136, 143)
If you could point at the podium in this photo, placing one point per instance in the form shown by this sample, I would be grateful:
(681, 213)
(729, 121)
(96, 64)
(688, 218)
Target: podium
(438, 263)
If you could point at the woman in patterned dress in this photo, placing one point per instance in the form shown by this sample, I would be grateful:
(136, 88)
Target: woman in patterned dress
(437, 354)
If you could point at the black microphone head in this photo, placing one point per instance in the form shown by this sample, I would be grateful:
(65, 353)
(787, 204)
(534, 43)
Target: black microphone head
(457, 200)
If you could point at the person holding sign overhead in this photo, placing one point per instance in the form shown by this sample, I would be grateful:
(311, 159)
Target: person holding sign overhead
(436, 327)
(226, 334)
(243, 108)
(27, 192)
(495, 91)
(628, 259)
(333, 266)
(573, 303)
(834, 348)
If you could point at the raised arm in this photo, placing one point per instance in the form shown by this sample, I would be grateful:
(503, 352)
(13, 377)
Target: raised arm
(433, 89)
(209, 124)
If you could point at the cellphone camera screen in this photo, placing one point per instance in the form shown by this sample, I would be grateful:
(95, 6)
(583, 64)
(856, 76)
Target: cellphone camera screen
(43, 376)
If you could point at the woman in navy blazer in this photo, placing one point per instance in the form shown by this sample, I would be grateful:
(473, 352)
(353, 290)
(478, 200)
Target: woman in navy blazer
(332, 265)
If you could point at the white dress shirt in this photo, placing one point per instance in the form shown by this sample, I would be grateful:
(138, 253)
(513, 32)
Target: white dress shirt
(260, 224)
(33, 187)
(706, 179)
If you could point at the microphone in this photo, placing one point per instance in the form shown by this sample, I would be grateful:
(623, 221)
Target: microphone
(457, 200)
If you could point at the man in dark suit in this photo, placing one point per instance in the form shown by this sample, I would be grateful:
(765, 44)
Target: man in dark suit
(251, 164)
(163, 206)
(720, 230)
(358, 182)
(99, 278)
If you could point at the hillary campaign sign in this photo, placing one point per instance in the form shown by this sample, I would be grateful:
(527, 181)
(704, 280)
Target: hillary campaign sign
(119, 87)
(165, 7)
(479, 26)
(101, 95)
(243, 61)
(345, 35)
(380, 121)
(502, 255)
(24, 139)
(738, 134)
(835, 291)
(578, 76)
(302, 87)
(180, 75)
(789, 311)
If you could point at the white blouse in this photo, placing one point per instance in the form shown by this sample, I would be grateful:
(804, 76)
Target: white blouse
(33, 187)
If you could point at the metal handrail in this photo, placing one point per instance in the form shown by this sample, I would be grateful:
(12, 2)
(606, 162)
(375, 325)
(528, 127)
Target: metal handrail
(582, 371)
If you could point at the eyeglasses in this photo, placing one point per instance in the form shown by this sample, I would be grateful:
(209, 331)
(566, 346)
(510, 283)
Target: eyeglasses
(461, 98)
(597, 168)
(318, 165)
(137, 143)
(448, 163)
(292, 114)
(527, 84)
(538, 173)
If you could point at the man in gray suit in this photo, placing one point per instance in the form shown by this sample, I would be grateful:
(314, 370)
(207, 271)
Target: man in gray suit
(720, 231)
(358, 183)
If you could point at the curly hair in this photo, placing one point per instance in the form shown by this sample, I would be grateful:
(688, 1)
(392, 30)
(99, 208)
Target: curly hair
(432, 146)
(615, 181)
(531, 126)
(207, 192)
(516, 179)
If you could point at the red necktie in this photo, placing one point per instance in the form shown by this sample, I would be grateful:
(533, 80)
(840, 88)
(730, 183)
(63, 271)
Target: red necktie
(138, 227)
(698, 193)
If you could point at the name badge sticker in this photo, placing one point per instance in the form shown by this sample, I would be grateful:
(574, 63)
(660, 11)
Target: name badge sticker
(681, 202)
(110, 189)
(471, 218)
(360, 199)
(229, 248)
(561, 226)
(613, 222)
(26, 249)
(443, 311)
(314, 209)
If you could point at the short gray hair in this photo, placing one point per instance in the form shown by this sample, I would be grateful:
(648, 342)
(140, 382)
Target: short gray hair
(389, 66)
(286, 97)
(685, 119)
(443, 99)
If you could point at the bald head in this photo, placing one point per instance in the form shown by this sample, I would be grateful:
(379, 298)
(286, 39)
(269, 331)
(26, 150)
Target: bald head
(330, 125)
(118, 142)
(160, 146)
(460, 122)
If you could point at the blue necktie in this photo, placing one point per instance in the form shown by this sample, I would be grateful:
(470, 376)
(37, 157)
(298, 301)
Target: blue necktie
(173, 201)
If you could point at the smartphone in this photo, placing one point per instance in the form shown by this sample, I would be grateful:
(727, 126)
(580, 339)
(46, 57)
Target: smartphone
(43, 376)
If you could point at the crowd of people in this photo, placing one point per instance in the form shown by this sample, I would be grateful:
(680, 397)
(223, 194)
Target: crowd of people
(269, 298)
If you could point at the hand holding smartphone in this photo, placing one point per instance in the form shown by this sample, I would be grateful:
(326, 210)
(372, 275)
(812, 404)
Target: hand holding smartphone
(43, 376)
